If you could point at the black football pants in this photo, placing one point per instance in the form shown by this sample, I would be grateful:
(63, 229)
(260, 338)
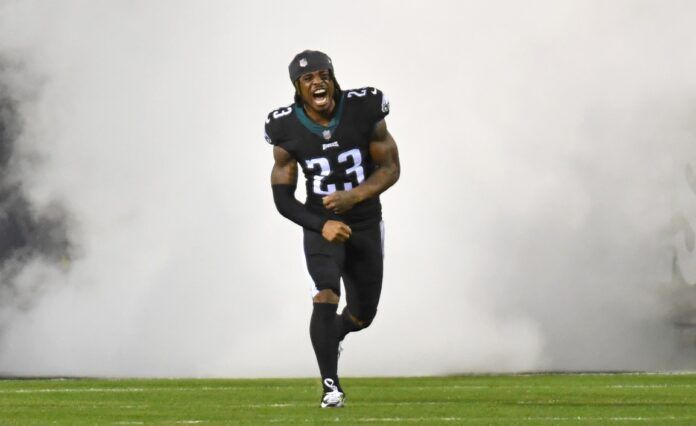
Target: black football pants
(359, 261)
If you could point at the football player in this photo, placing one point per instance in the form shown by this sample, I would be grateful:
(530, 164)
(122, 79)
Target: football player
(340, 140)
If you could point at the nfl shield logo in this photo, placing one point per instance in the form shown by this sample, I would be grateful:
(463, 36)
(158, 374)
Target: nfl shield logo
(303, 62)
(327, 134)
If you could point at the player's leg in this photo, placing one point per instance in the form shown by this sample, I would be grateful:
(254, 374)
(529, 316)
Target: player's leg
(324, 263)
(362, 277)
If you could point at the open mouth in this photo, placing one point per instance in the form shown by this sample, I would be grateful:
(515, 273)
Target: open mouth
(320, 96)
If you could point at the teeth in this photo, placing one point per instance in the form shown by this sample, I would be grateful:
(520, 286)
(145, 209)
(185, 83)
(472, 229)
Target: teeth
(320, 92)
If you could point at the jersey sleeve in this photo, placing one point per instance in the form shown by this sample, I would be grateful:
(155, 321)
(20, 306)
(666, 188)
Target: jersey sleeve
(380, 105)
(270, 130)
(273, 129)
(376, 104)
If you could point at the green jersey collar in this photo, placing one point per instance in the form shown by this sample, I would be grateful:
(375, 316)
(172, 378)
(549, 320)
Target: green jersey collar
(316, 128)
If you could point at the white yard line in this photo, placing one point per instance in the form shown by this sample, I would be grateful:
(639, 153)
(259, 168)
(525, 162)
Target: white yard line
(655, 386)
(148, 389)
(514, 420)
(508, 420)
(70, 390)
(604, 419)
(412, 419)
(181, 422)
(266, 405)
(417, 388)
(480, 387)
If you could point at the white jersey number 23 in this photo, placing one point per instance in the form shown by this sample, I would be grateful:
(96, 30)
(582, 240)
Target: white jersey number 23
(325, 170)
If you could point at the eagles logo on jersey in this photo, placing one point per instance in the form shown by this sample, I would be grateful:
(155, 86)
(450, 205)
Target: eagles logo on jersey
(334, 157)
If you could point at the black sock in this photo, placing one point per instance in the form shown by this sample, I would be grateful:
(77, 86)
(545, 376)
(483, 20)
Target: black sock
(344, 324)
(322, 330)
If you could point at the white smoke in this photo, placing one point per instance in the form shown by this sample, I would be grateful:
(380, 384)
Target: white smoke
(539, 147)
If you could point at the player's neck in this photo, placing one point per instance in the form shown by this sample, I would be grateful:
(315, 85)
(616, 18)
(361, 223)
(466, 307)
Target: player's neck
(321, 117)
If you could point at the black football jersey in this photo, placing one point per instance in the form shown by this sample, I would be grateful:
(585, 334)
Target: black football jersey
(335, 157)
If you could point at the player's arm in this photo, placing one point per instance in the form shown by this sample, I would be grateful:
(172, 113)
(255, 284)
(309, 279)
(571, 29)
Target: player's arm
(385, 156)
(284, 183)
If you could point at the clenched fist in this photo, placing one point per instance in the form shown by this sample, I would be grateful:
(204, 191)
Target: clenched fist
(335, 231)
(340, 201)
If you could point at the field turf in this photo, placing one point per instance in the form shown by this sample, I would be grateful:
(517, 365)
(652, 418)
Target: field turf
(489, 399)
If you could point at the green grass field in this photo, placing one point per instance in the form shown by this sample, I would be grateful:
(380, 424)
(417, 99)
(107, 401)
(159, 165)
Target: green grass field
(500, 399)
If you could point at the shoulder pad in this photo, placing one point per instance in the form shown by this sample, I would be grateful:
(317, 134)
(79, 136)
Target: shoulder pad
(375, 102)
(273, 123)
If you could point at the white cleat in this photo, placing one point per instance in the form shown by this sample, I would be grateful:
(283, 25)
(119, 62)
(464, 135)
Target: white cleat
(334, 398)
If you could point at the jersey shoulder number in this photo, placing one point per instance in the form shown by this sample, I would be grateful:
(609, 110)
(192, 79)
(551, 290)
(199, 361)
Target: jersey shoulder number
(374, 102)
(273, 129)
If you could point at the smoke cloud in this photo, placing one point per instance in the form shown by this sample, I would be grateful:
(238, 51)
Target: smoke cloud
(545, 152)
